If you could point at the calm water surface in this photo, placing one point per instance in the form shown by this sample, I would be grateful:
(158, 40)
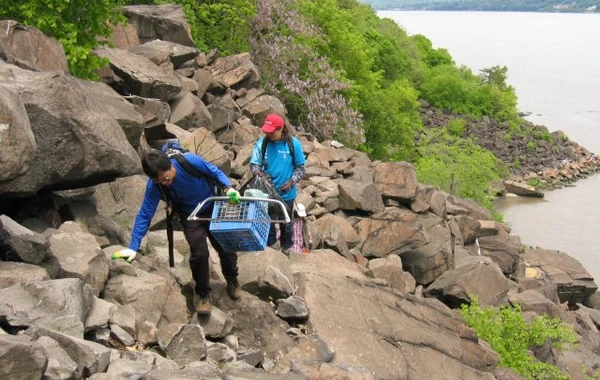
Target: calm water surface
(553, 62)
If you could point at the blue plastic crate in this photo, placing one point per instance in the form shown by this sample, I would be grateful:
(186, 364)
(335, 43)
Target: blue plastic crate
(244, 232)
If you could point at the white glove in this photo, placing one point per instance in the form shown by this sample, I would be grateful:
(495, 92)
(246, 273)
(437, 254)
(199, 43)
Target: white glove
(127, 254)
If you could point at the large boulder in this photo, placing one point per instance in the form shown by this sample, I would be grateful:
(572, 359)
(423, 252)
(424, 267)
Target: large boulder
(575, 284)
(28, 48)
(62, 305)
(17, 142)
(165, 22)
(395, 336)
(392, 231)
(79, 131)
(140, 75)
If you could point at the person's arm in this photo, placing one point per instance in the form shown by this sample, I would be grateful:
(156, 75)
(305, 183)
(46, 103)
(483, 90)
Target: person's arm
(145, 215)
(299, 161)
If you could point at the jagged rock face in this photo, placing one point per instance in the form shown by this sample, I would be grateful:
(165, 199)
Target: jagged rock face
(16, 138)
(78, 137)
(165, 22)
(391, 334)
(28, 48)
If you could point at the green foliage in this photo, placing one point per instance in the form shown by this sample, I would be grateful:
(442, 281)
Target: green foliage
(456, 127)
(517, 163)
(457, 89)
(75, 23)
(430, 56)
(392, 122)
(534, 181)
(511, 337)
(458, 166)
(220, 24)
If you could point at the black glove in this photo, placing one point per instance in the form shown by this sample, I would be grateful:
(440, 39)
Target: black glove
(287, 186)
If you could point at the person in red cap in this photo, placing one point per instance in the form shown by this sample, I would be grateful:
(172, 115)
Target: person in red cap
(279, 155)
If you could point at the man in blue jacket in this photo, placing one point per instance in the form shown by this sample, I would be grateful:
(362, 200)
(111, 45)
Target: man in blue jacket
(167, 178)
(283, 160)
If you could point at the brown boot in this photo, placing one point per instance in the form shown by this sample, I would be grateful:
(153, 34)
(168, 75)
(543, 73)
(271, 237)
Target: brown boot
(233, 288)
(203, 306)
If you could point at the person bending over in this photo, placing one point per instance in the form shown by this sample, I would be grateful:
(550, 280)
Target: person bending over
(169, 180)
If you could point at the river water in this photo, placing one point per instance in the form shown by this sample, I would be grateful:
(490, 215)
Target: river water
(553, 62)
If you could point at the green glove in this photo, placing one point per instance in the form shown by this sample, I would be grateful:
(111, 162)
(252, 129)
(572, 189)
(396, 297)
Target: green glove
(234, 196)
(127, 254)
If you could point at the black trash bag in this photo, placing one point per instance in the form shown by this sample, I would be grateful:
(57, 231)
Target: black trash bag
(265, 185)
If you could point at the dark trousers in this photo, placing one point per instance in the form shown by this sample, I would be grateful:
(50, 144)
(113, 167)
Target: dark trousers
(196, 233)
(286, 230)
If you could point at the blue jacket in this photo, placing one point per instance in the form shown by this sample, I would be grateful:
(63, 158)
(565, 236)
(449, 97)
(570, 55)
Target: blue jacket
(281, 164)
(186, 191)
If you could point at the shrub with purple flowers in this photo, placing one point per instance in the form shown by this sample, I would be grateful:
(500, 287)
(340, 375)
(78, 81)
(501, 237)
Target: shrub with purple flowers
(309, 87)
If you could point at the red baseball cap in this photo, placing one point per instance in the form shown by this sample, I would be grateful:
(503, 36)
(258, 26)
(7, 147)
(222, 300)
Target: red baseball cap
(272, 123)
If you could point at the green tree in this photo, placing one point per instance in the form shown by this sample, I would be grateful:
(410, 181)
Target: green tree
(77, 24)
(430, 56)
(220, 24)
(457, 166)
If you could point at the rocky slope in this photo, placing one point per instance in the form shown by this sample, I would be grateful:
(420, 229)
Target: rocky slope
(551, 160)
(375, 300)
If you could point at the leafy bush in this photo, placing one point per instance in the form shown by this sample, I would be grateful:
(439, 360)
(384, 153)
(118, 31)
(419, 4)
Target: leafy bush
(511, 337)
(222, 24)
(77, 24)
(456, 127)
(457, 89)
(304, 80)
(458, 166)
(430, 56)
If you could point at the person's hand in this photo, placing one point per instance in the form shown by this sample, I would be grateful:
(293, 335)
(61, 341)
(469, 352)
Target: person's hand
(287, 186)
(234, 196)
(127, 254)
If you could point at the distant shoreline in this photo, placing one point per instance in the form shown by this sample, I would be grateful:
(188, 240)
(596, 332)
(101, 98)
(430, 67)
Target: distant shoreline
(482, 10)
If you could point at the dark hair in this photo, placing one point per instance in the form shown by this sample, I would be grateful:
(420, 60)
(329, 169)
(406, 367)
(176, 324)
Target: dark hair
(155, 162)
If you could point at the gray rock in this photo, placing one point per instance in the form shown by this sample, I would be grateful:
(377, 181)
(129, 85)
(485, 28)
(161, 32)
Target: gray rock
(183, 343)
(25, 245)
(292, 309)
(78, 255)
(90, 357)
(20, 273)
(28, 48)
(165, 22)
(44, 303)
(62, 110)
(18, 142)
(21, 359)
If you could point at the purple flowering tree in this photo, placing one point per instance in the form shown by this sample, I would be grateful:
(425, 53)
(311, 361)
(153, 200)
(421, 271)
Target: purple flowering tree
(294, 72)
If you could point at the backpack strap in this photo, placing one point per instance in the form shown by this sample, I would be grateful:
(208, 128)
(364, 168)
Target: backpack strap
(195, 172)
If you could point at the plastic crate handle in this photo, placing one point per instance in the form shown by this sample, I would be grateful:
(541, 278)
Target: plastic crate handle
(252, 199)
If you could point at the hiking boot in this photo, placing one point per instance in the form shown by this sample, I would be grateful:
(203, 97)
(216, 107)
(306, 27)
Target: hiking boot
(233, 288)
(203, 306)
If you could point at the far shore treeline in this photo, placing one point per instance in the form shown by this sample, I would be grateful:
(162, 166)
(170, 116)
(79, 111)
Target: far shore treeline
(557, 6)
(342, 72)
